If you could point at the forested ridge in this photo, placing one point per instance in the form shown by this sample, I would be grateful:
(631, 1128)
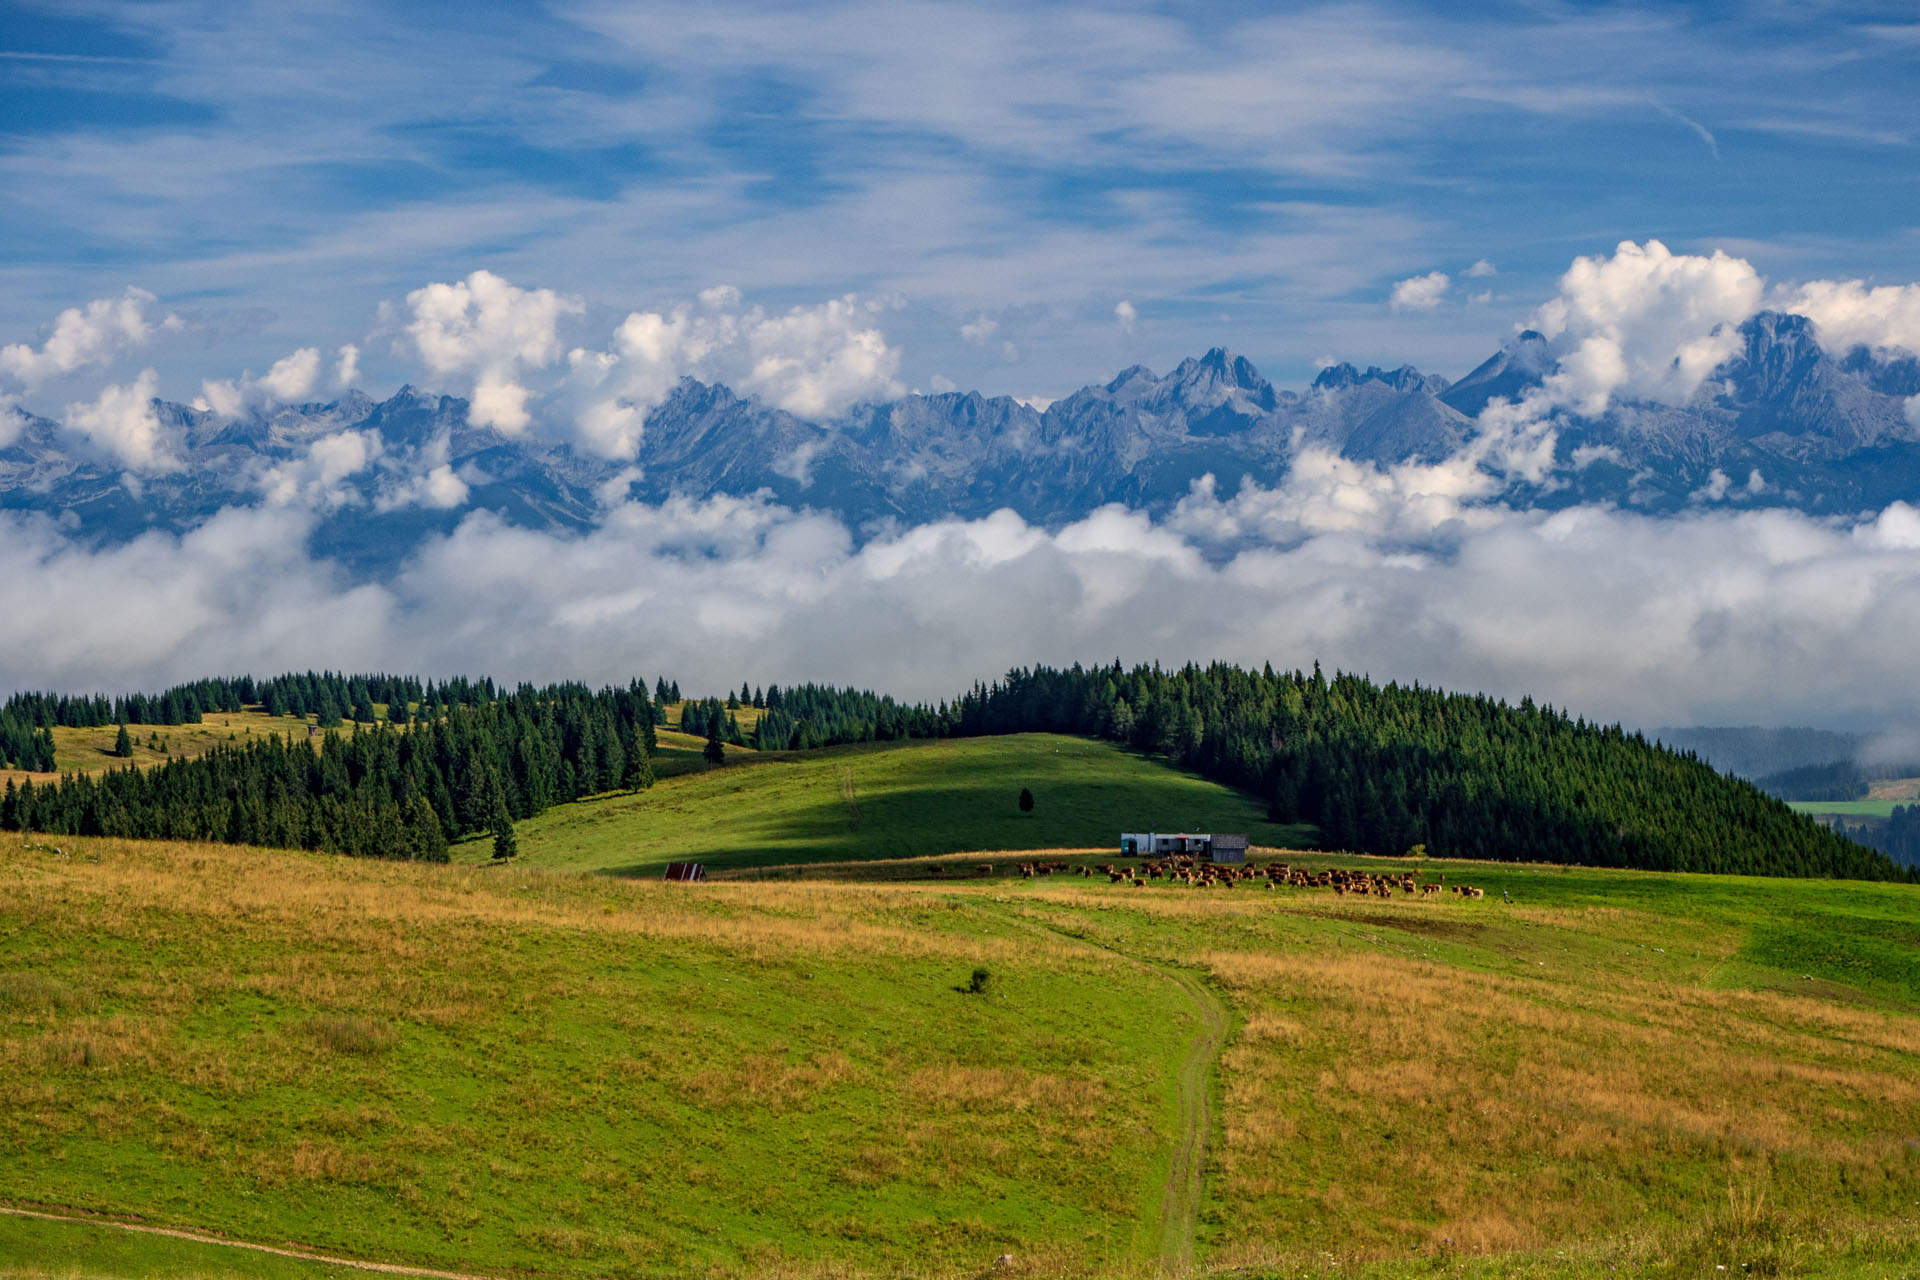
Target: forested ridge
(1381, 769)
(464, 766)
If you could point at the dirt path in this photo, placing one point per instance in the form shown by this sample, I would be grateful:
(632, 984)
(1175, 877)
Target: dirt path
(1180, 1197)
(1180, 1201)
(388, 1268)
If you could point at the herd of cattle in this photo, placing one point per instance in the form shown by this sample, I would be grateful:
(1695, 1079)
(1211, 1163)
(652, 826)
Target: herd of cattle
(1273, 875)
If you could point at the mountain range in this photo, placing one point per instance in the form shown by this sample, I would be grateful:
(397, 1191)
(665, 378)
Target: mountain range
(1782, 422)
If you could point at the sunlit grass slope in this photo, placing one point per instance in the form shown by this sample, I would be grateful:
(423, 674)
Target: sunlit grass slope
(509, 1071)
(890, 801)
(504, 1070)
(91, 750)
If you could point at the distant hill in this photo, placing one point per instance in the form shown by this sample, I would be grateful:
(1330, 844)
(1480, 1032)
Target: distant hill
(1752, 752)
(1781, 423)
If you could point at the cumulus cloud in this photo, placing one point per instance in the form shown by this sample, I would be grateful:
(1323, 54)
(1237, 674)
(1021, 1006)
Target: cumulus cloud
(815, 362)
(314, 480)
(1645, 323)
(88, 335)
(490, 331)
(346, 369)
(289, 380)
(293, 378)
(1127, 314)
(1420, 293)
(1480, 270)
(121, 423)
(1848, 314)
(425, 478)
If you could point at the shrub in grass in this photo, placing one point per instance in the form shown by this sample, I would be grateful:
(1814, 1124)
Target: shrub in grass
(977, 985)
(29, 992)
(362, 1036)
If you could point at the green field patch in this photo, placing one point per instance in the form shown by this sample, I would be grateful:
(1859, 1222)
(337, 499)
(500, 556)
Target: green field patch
(1847, 808)
(898, 800)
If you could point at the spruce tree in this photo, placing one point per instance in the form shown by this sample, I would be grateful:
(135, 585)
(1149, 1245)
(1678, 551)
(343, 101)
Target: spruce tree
(504, 844)
(123, 744)
(716, 751)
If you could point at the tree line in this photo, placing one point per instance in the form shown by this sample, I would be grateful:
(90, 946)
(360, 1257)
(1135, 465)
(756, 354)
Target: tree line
(1380, 769)
(379, 791)
(1385, 768)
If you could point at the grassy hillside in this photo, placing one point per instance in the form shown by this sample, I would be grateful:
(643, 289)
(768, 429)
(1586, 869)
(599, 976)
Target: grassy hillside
(504, 1070)
(91, 750)
(888, 801)
(1850, 808)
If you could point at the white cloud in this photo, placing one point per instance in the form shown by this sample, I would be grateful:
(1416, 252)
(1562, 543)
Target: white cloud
(797, 465)
(291, 379)
(314, 480)
(814, 362)
(940, 384)
(12, 421)
(89, 335)
(1480, 270)
(1848, 314)
(1645, 323)
(1126, 313)
(423, 479)
(1420, 293)
(818, 361)
(122, 423)
(1714, 490)
(346, 370)
(1913, 410)
(1764, 614)
(491, 330)
(979, 329)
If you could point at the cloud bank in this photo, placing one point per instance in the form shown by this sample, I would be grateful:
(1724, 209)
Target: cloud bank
(1755, 615)
(1431, 572)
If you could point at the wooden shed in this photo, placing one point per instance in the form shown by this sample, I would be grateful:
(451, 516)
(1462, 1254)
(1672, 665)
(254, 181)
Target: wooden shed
(1228, 848)
(686, 872)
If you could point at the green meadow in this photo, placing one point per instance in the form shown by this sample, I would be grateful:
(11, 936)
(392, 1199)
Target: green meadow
(1848, 808)
(871, 1070)
(885, 800)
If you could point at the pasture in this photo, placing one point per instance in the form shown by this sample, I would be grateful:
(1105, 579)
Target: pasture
(503, 1070)
(91, 750)
(886, 800)
(1847, 808)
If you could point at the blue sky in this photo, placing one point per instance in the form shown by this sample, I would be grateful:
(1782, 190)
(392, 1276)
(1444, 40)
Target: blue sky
(1250, 175)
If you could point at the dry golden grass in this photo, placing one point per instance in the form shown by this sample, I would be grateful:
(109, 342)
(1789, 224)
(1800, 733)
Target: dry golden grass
(91, 750)
(1508, 1111)
(1444, 1079)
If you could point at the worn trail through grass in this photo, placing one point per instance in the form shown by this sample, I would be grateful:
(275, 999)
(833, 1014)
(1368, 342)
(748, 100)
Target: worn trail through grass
(173, 1233)
(1180, 1196)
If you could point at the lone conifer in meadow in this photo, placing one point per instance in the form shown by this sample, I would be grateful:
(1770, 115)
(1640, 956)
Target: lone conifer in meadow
(716, 750)
(504, 844)
(123, 744)
(1026, 800)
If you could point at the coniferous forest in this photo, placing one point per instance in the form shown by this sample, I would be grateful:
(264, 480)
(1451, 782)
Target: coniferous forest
(1382, 769)
(473, 761)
